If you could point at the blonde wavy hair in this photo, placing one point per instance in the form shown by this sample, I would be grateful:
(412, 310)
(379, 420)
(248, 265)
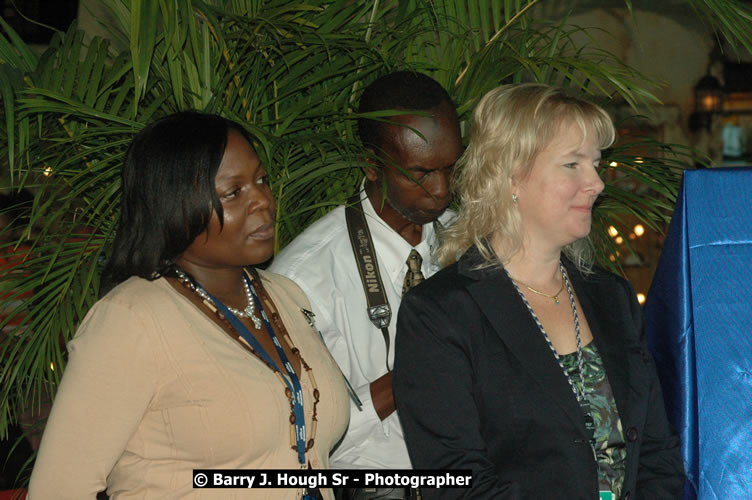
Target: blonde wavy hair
(510, 126)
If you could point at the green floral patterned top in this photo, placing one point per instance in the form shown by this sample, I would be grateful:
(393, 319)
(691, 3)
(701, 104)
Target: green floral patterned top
(609, 437)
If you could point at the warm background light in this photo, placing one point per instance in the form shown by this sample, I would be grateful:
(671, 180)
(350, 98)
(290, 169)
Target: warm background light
(639, 230)
(710, 102)
(619, 240)
(641, 298)
(612, 231)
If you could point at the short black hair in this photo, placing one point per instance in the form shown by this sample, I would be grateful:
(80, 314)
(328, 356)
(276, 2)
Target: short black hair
(167, 193)
(398, 90)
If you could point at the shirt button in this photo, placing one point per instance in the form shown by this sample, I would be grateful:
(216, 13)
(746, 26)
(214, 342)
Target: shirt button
(631, 434)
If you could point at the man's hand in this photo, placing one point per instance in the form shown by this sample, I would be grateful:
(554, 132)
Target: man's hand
(382, 396)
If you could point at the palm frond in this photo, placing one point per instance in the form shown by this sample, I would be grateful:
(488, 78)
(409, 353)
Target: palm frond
(291, 72)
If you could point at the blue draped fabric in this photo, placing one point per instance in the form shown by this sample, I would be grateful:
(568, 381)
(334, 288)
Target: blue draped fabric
(698, 321)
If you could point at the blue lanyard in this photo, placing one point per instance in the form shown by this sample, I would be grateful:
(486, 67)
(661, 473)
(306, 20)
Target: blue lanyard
(293, 384)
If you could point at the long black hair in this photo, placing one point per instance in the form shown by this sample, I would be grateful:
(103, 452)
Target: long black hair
(167, 193)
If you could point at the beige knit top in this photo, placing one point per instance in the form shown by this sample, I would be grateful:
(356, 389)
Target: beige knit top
(154, 389)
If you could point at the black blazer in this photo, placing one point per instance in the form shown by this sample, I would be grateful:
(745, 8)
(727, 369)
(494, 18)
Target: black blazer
(477, 387)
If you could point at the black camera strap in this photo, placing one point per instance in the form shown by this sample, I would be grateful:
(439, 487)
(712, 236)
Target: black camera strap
(379, 311)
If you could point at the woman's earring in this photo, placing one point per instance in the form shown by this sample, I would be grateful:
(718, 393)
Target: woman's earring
(514, 198)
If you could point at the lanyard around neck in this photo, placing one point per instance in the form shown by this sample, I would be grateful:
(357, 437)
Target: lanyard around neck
(582, 400)
(293, 383)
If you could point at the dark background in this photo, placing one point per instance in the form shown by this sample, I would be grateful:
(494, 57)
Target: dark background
(55, 13)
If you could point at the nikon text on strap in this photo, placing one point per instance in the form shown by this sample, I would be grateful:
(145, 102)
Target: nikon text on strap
(379, 311)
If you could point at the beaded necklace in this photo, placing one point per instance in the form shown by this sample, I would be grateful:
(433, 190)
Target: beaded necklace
(293, 391)
(249, 311)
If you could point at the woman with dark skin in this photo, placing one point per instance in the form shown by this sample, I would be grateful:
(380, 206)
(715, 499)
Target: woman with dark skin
(193, 359)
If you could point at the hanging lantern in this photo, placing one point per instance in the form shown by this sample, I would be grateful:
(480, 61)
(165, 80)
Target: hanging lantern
(708, 100)
(708, 95)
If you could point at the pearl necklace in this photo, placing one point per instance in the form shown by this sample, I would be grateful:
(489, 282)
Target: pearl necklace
(248, 312)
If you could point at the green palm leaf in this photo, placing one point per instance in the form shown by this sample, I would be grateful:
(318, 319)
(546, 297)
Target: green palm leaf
(291, 71)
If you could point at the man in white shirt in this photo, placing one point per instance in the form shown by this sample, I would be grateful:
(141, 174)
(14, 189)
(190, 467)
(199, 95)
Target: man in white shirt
(405, 191)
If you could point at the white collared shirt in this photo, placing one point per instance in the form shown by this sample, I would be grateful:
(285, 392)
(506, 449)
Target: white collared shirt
(321, 262)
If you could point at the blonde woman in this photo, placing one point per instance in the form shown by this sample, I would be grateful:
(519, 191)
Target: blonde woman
(521, 361)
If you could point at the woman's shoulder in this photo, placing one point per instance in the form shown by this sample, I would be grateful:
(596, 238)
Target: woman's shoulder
(138, 291)
(449, 290)
(283, 288)
(595, 276)
(458, 277)
(127, 316)
(440, 283)
(603, 277)
(608, 290)
(294, 308)
(137, 300)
